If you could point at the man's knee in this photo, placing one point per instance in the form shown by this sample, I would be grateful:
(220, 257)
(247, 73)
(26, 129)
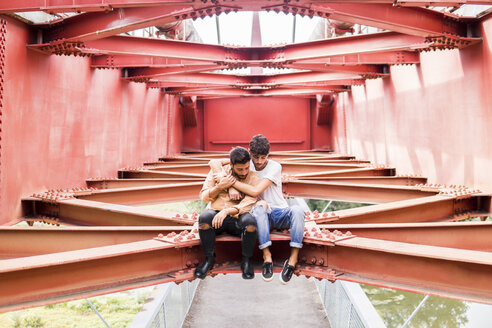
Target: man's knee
(206, 218)
(263, 204)
(298, 213)
(248, 222)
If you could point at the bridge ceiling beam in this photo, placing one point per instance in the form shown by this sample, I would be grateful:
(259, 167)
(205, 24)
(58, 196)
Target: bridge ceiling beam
(414, 21)
(60, 6)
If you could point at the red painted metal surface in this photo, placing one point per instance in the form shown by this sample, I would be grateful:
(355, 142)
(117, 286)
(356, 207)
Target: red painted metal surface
(58, 134)
(226, 126)
(79, 122)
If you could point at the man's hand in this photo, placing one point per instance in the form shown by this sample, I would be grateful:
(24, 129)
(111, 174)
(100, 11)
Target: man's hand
(226, 182)
(235, 194)
(219, 218)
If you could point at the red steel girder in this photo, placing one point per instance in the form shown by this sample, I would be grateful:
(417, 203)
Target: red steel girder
(128, 183)
(415, 21)
(109, 61)
(440, 271)
(107, 5)
(425, 209)
(114, 47)
(352, 192)
(376, 58)
(60, 6)
(463, 235)
(87, 212)
(391, 180)
(56, 277)
(29, 241)
(365, 70)
(151, 72)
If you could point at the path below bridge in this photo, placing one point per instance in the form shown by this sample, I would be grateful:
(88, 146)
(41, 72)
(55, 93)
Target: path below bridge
(230, 301)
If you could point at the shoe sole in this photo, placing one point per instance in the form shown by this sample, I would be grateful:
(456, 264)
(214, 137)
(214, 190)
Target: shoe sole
(267, 279)
(282, 281)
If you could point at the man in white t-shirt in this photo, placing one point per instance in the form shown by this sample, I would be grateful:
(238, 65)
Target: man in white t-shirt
(272, 211)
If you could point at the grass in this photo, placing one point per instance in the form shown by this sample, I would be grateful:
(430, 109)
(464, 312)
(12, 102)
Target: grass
(117, 309)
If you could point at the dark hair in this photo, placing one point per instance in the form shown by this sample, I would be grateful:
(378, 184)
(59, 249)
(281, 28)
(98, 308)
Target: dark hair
(259, 145)
(239, 155)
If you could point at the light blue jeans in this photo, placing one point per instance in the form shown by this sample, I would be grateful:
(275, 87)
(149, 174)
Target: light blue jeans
(279, 218)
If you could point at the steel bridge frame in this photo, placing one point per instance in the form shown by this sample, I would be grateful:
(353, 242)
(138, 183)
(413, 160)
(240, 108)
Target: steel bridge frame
(410, 238)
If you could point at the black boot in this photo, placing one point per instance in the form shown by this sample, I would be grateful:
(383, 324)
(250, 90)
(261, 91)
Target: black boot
(203, 268)
(248, 241)
(247, 268)
(207, 238)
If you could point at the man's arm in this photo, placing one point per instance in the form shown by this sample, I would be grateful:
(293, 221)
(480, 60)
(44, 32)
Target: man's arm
(216, 164)
(251, 190)
(210, 190)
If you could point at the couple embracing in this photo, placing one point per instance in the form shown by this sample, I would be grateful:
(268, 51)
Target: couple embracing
(246, 200)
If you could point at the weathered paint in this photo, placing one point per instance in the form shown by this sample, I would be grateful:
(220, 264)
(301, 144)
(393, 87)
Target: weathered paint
(64, 122)
(433, 118)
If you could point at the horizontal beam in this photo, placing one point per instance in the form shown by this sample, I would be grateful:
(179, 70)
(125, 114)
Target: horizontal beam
(30, 241)
(129, 183)
(60, 6)
(352, 192)
(440, 271)
(389, 180)
(87, 212)
(358, 172)
(462, 235)
(425, 209)
(56, 277)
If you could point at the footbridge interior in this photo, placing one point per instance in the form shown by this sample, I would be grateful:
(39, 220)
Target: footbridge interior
(110, 107)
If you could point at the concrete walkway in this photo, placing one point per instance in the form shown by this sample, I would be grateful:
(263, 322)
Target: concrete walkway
(230, 301)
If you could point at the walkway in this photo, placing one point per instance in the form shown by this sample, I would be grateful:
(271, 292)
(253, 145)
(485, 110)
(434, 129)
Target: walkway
(226, 301)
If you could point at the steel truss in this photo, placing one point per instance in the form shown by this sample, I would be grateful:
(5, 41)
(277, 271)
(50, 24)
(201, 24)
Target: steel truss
(410, 238)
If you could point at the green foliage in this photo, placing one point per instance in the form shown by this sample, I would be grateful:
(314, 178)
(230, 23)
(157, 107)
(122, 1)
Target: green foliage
(33, 320)
(319, 205)
(395, 307)
(117, 309)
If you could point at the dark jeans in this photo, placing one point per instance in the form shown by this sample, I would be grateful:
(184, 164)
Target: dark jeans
(230, 225)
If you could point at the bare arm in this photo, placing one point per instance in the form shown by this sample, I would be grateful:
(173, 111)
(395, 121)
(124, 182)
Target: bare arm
(251, 190)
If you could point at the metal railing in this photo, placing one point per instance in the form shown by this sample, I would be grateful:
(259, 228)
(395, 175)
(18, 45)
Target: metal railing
(167, 306)
(347, 306)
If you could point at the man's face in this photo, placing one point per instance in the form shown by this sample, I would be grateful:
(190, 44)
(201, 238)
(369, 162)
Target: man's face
(260, 161)
(241, 170)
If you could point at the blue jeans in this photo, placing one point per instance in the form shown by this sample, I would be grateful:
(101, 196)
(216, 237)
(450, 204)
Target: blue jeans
(279, 218)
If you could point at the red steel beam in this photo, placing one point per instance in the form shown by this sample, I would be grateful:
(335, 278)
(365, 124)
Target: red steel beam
(151, 72)
(425, 209)
(147, 195)
(139, 174)
(352, 192)
(440, 271)
(377, 58)
(413, 21)
(360, 172)
(59, 6)
(363, 69)
(463, 235)
(30, 241)
(389, 180)
(128, 183)
(105, 61)
(87, 212)
(56, 277)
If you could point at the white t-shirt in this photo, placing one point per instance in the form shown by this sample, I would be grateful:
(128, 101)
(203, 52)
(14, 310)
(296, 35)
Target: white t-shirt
(272, 195)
